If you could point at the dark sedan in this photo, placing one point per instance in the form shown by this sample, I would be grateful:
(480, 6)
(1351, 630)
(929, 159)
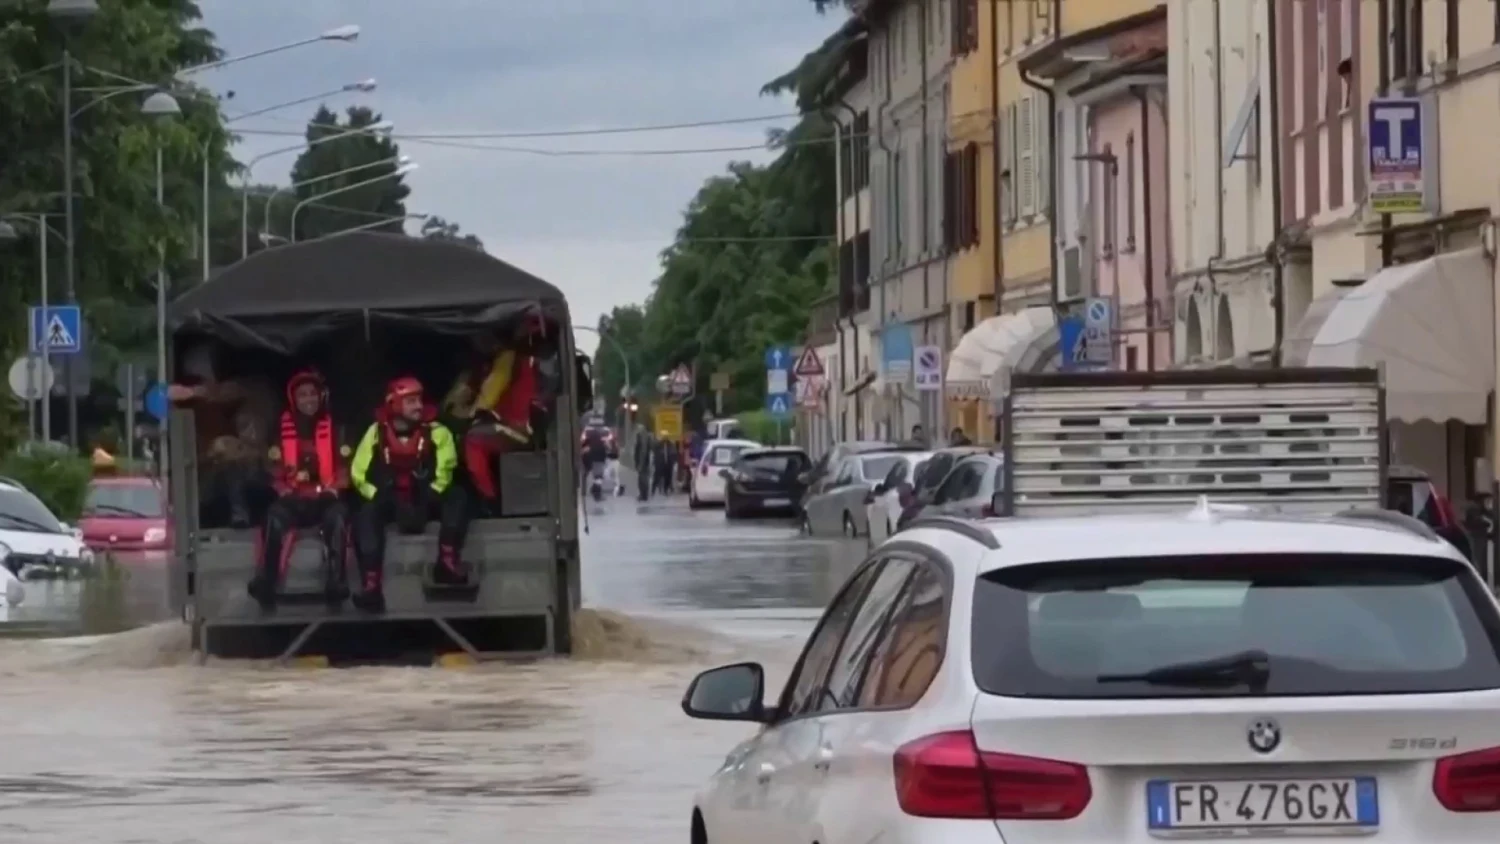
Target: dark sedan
(764, 481)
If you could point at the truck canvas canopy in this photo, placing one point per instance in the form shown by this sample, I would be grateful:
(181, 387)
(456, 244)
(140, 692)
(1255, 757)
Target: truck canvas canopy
(279, 299)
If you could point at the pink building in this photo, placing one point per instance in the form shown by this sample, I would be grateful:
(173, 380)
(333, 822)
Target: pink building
(1109, 84)
(1127, 137)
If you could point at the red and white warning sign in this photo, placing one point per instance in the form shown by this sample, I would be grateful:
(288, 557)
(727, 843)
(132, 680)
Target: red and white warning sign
(809, 365)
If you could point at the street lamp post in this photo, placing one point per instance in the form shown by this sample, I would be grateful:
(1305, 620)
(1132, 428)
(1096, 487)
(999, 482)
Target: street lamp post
(43, 228)
(399, 161)
(383, 127)
(160, 106)
(394, 174)
(364, 86)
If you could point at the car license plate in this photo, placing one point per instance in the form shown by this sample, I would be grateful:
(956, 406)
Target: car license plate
(1338, 804)
(777, 502)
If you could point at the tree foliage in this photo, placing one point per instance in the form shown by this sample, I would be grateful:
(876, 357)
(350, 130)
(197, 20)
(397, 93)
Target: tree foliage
(752, 255)
(347, 178)
(437, 228)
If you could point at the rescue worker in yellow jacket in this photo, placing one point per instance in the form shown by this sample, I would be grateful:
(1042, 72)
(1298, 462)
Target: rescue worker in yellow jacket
(403, 470)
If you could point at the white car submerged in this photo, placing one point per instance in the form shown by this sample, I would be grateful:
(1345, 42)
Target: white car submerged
(1202, 675)
(706, 485)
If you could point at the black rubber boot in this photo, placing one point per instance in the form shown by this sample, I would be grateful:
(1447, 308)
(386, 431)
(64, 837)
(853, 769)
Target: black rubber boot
(263, 590)
(371, 598)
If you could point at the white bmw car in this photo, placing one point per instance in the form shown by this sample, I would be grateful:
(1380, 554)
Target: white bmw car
(1208, 675)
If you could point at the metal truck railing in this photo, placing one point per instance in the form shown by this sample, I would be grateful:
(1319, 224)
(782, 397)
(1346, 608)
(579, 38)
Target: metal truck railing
(1309, 440)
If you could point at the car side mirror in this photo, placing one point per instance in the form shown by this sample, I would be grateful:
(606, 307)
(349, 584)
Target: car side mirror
(878, 490)
(728, 693)
(804, 478)
(726, 474)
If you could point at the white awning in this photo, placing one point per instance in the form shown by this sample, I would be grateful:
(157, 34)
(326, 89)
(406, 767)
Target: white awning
(1298, 342)
(1431, 325)
(981, 364)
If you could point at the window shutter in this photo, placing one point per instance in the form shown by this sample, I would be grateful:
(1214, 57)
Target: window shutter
(1007, 160)
(971, 183)
(1026, 157)
(950, 207)
(1043, 156)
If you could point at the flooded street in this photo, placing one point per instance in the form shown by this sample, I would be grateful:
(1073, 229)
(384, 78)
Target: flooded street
(116, 739)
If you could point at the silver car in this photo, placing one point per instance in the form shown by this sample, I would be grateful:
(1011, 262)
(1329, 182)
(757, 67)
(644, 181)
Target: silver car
(836, 503)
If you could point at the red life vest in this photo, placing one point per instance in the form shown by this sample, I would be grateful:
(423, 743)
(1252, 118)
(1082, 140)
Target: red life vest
(291, 458)
(404, 456)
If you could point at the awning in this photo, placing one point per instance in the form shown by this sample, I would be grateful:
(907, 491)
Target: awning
(1298, 342)
(981, 364)
(1431, 325)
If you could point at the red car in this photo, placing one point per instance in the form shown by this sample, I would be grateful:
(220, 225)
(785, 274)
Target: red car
(126, 514)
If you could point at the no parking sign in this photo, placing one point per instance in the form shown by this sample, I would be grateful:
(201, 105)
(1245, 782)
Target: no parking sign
(928, 371)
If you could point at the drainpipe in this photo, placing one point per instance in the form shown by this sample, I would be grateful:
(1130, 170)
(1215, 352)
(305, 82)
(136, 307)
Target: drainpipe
(880, 139)
(844, 356)
(1054, 169)
(1383, 66)
(1278, 272)
(1219, 236)
(998, 227)
(838, 147)
(1150, 244)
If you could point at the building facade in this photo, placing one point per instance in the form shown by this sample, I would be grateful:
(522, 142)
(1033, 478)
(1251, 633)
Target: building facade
(910, 63)
(1008, 285)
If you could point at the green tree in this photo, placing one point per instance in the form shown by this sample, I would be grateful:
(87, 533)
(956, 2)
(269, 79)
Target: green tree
(437, 228)
(622, 331)
(119, 224)
(374, 154)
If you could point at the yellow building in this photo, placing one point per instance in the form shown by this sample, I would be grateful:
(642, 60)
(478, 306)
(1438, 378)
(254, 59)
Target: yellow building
(1011, 256)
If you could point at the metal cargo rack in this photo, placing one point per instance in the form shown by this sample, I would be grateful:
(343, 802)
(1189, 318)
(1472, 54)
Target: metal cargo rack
(1310, 440)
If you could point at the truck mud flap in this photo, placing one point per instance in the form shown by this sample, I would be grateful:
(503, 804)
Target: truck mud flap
(506, 610)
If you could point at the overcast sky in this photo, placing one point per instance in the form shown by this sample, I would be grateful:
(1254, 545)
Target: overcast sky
(591, 224)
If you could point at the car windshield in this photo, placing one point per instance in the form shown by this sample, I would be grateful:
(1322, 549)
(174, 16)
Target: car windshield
(1326, 625)
(20, 510)
(127, 500)
(879, 467)
(774, 463)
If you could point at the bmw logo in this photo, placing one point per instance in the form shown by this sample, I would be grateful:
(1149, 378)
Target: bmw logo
(1264, 735)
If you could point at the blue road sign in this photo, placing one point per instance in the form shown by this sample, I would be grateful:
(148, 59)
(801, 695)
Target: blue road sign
(1070, 343)
(779, 405)
(779, 357)
(155, 401)
(60, 327)
(896, 351)
(1397, 159)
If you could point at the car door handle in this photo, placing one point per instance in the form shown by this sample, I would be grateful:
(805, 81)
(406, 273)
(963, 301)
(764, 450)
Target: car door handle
(825, 758)
(765, 772)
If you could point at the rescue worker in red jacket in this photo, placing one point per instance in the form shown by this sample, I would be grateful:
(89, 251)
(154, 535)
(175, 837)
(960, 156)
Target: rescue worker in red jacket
(403, 469)
(308, 474)
(500, 396)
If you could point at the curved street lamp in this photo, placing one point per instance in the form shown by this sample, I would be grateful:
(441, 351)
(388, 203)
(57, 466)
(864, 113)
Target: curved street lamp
(363, 86)
(394, 174)
(399, 161)
(383, 127)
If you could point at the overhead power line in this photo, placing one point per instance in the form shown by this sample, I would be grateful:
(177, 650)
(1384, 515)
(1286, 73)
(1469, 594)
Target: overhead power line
(575, 133)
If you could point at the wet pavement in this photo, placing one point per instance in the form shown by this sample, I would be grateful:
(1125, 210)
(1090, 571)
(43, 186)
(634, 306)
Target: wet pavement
(116, 739)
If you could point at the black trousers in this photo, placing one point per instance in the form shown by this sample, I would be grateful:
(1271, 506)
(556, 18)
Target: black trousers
(410, 516)
(643, 477)
(291, 513)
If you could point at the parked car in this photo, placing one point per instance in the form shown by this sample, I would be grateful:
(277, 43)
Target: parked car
(764, 480)
(837, 506)
(967, 490)
(126, 514)
(833, 457)
(706, 485)
(33, 540)
(1409, 490)
(895, 492)
(1193, 675)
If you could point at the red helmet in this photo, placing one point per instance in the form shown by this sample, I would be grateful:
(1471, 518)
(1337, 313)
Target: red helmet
(400, 389)
(306, 376)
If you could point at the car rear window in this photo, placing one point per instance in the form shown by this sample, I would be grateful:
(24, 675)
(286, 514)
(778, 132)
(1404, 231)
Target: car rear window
(123, 501)
(774, 462)
(879, 467)
(724, 455)
(1328, 625)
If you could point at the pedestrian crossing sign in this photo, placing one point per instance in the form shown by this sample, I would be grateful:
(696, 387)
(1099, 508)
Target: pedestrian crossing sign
(57, 330)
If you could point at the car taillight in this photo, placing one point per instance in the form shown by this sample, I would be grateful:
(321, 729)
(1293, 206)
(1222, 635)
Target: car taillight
(1469, 782)
(947, 776)
(1447, 517)
(705, 469)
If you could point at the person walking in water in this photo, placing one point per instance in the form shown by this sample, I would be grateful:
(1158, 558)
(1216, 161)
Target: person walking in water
(645, 448)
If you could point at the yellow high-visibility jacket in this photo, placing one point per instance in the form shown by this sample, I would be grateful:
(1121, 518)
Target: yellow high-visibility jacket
(371, 455)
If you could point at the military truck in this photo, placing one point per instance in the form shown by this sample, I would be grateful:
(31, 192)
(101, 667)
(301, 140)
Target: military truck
(364, 308)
